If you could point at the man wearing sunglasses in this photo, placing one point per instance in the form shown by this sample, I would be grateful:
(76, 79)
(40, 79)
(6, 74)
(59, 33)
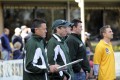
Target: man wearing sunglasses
(57, 51)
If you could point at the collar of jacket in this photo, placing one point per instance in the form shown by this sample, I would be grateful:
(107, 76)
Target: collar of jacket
(58, 38)
(76, 35)
(5, 34)
(36, 37)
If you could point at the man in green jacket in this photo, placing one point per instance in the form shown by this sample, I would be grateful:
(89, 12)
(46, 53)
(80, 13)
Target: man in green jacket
(77, 51)
(35, 62)
(57, 51)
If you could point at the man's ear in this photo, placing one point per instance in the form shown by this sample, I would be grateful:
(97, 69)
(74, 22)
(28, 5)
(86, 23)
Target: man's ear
(104, 34)
(74, 27)
(35, 29)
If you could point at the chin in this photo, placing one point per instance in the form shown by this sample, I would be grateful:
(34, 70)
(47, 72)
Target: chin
(64, 35)
(44, 36)
(111, 38)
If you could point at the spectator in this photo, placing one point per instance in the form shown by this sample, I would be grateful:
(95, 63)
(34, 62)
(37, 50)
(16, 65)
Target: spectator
(90, 59)
(88, 43)
(17, 53)
(17, 38)
(6, 49)
(24, 32)
(29, 34)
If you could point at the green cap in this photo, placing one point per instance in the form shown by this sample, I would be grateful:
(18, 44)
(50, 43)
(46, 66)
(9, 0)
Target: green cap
(60, 22)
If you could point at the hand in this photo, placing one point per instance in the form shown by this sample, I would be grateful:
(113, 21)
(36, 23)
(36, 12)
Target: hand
(96, 77)
(53, 68)
(11, 56)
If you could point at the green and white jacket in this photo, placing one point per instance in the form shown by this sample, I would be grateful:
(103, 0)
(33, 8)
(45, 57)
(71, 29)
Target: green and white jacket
(58, 53)
(35, 61)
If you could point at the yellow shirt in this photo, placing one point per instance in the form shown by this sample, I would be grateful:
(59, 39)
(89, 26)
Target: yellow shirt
(104, 56)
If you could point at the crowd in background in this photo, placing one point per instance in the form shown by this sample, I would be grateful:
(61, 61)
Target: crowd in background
(13, 48)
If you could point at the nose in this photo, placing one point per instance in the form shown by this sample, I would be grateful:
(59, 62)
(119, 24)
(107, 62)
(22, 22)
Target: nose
(46, 31)
(81, 29)
(112, 33)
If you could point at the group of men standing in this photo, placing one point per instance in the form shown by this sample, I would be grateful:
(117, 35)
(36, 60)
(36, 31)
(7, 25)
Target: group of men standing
(41, 62)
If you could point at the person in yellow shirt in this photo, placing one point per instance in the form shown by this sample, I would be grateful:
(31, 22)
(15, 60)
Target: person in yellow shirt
(104, 61)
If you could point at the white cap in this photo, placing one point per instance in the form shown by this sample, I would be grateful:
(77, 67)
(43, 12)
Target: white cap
(17, 30)
(23, 27)
(87, 34)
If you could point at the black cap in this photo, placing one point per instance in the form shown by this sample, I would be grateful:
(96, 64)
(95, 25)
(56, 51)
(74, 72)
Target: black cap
(60, 22)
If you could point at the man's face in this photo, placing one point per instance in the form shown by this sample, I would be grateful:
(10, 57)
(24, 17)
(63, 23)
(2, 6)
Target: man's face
(108, 33)
(41, 31)
(7, 32)
(68, 30)
(78, 29)
(62, 31)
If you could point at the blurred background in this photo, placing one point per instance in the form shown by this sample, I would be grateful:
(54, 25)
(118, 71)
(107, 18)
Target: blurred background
(16, 13)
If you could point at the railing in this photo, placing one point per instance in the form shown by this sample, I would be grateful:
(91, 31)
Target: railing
(13, 69)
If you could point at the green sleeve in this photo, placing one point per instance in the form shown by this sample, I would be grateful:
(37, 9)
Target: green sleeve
(73, 47)
(85, 64)
(50, 52)
(30, 52)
